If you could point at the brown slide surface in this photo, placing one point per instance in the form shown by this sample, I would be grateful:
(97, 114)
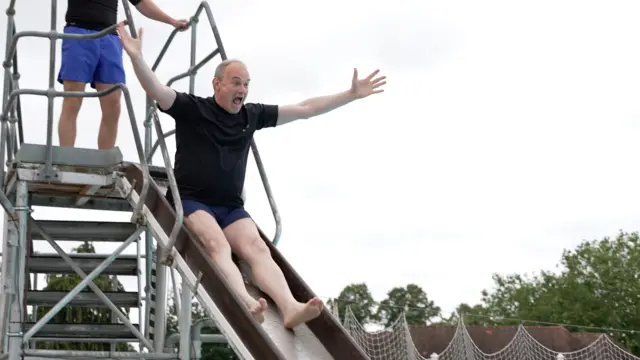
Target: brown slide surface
(326, 329)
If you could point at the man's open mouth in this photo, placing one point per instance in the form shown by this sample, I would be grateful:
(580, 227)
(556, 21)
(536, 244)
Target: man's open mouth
(238, 100)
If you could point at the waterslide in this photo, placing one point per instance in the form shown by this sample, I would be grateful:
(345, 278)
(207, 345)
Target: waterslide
(319, 339)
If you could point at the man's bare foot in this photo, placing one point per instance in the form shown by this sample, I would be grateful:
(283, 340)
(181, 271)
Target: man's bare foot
(302, 313)
(257, 309)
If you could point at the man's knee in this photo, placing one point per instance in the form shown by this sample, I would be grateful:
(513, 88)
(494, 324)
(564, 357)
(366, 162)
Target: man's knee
(206, 229)
(214, 243)
(246, 241)
(110, 104)
(71, 107)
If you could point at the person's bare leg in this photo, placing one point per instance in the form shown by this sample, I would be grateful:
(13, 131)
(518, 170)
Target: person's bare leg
(110, 105)
(246, 242)
(205, 227)
(69, 114)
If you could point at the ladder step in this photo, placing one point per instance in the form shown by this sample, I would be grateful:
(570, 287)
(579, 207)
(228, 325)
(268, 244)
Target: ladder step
(54, 264)
(82, 331)
(69, 156)
(83, 299)
(85, 230)
(70, 201)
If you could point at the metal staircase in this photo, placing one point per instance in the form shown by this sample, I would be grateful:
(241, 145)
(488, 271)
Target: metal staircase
(80, 179)
(47, 175)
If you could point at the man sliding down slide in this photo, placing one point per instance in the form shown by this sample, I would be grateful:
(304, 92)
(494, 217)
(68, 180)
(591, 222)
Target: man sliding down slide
(213, 136)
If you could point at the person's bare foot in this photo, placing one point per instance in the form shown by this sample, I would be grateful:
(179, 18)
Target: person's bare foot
(302, 313)
(257, 309)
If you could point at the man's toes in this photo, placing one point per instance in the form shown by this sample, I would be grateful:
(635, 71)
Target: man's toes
(263, 304)
(316, 302)
(256, 311)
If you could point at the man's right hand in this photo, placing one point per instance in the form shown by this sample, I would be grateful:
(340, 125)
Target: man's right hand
(132, 46)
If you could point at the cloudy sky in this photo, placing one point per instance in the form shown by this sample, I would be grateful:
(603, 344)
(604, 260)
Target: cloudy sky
(506, 132)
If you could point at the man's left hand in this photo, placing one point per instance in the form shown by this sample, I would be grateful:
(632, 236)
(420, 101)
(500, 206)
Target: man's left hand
(181, 25)
(367, 86)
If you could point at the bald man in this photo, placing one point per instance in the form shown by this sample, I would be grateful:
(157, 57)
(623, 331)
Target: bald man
(213, 137)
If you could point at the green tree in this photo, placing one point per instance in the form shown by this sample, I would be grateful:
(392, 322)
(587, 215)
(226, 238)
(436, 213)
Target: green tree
(597, 286)
(358, 298)
(81, 315)
(210, 351)
(472, 315)
(410, 300)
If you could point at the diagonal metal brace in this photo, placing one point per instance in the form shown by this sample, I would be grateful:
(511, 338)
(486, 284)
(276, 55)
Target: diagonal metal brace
(198, 281)
(87, 281)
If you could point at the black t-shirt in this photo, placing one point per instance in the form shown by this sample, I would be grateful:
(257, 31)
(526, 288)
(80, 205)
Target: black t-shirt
(212, 147)
(93, 14)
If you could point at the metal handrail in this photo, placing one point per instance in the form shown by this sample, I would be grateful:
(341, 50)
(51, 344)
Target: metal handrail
(193, 69)
(173, 184)
(10, 94)
(11, 111)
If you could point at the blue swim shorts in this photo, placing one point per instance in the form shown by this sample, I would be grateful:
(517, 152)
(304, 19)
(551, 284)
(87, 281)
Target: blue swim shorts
(225, 216)
(91, 61)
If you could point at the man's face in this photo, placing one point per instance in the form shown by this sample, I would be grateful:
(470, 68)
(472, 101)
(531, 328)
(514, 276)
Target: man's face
(231, 91)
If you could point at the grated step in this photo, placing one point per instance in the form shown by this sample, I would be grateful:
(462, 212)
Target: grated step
(54, 264)
(83, 299)
(85, 230)
(82, 331)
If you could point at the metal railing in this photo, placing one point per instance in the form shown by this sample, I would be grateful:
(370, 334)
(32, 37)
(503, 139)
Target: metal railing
(11, 93)
(11, 130)
(191, 73)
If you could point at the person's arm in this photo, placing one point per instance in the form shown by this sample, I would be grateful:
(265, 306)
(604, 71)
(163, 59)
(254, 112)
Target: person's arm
(159, 92)
(150, 10)
(313, 107)
(320, 105)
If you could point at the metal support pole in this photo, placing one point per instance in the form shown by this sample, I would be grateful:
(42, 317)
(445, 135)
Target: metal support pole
(139, 283)
(17, 305)
(160, 323)
(6, 296)
(184, 321)
(198, 338)
(7, 84)
(33, 344)
(48, 167)
(176, 299)
(148, 251)
(192, 61)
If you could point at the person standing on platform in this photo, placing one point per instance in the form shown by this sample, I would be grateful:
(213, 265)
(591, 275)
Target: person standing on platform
(97, 62)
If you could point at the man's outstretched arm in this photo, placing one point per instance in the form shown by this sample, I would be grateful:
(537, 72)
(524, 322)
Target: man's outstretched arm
(149, 9)
(162, 94)
(323, 104)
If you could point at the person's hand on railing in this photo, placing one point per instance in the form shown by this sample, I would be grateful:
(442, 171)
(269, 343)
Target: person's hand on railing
(181, 24)
(132, 46)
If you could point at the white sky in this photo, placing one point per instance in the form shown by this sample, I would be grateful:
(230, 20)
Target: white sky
(506, 133)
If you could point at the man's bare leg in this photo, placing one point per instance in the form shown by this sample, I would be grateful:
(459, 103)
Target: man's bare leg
(69, 114)
(246, 242)
(110, 105)
(205, 227)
